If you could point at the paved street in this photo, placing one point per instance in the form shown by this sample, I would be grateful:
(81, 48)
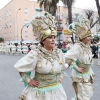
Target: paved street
(11, 87)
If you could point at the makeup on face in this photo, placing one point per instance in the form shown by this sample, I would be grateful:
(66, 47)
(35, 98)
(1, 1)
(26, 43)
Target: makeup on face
(86, 40)
(51, 39)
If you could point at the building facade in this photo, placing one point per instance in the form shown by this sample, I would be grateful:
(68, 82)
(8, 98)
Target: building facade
(13, 17)
(17, 13)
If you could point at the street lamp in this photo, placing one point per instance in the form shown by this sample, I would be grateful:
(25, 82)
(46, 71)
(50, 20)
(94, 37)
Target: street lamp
(26, 25)
(17, 23)
(58, 25)
(37, 14)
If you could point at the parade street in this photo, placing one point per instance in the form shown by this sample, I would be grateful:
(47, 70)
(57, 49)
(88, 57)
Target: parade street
(11, 87)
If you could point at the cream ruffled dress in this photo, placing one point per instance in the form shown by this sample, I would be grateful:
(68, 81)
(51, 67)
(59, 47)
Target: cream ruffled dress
(44, 62)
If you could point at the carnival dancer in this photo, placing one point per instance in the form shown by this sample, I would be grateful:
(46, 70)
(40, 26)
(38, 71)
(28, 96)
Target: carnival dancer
(19, 49)
(94, 50)
(13, 49)
(47, 62)
(0, 48)
(79, 58)
(24, 49)
(7, 49)
(4, 48)
(32, 46)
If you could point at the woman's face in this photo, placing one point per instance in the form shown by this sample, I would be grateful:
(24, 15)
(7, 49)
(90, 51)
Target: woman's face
(49, 42)
(87, 40)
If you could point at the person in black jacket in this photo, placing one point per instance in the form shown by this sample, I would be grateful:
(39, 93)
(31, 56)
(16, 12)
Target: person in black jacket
(94, 50)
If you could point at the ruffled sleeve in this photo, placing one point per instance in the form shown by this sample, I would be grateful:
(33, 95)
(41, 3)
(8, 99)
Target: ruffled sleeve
(72, 56)
(27, 63)
(73, 53)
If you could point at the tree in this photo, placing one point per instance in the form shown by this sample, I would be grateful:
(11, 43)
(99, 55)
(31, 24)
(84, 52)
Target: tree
(50, 6)
(96, 38)
(98, 8)
(69, 4)
(90, 17)
(1, 39)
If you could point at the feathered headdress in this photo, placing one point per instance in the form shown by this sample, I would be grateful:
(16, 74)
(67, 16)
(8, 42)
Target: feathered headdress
(44, 26)
(80, 28)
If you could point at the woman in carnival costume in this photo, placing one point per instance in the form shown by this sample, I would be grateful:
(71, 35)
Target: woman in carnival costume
(46, 60)
(79, 58)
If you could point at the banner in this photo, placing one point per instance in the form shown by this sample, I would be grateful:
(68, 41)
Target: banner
(66, 32)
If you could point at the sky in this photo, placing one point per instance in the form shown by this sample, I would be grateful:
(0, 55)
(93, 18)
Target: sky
(85, 4)
(3, 3)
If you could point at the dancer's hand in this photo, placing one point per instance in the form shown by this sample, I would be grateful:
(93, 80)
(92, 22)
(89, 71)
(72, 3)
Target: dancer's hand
(81, 70)
(60, 80)
(33, 83)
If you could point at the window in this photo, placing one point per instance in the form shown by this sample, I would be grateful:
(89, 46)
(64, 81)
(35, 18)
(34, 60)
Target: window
(1, 27)
(10, 13)
(10, 34)
(26, 21)
(7, 24)
(3, 16)
(26, 11)
(97, 28)
(26, 33)
(5, 35)
(59, 16)
(59, 38)
(10, 23)
(7, 14)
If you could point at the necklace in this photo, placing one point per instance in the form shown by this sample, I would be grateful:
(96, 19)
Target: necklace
(49, 56)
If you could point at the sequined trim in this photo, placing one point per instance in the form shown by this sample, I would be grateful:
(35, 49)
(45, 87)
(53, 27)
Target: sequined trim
(48, 88)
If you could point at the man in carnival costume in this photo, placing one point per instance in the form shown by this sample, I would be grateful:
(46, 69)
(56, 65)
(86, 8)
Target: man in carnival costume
(46, 60)
(79, 58)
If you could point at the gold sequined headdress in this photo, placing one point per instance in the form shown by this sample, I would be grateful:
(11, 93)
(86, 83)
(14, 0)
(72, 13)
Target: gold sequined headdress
(44, 26)
(80, 28)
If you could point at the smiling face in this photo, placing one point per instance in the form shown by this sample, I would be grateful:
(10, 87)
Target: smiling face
(49, 42)
(86, 40)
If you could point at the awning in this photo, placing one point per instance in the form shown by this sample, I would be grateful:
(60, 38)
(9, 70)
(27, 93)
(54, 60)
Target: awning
(59, 33)
(26, 42)
(66, 32)
(35, 41)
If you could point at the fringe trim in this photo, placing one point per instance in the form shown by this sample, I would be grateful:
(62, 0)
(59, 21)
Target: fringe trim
(45, 89)
(85, 75)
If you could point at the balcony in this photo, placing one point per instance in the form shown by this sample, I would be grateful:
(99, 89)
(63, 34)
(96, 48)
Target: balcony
(58, 18)
(59, 28)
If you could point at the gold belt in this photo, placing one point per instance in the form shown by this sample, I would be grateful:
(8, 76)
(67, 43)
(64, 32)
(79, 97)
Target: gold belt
(82, 80)
(85, 66)
(46, 79)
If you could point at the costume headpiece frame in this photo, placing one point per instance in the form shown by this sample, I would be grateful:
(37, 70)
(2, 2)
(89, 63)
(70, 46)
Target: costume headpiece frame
(81, 28)
(44, 26)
